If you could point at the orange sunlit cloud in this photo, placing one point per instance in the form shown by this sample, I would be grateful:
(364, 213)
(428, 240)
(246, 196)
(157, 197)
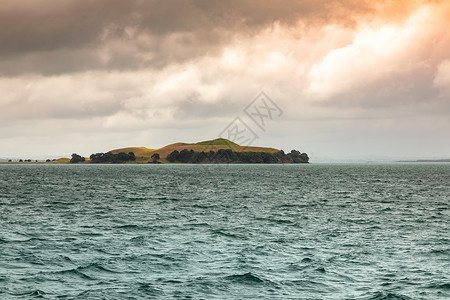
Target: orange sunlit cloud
(380, 50)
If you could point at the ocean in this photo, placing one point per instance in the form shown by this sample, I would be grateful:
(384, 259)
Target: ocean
(303, 231)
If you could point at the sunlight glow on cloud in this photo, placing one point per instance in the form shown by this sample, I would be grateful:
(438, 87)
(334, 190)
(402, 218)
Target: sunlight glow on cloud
(231, 58)
(375, 53)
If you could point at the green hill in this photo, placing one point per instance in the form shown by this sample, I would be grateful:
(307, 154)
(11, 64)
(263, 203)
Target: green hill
(219, 141)
(144, 154)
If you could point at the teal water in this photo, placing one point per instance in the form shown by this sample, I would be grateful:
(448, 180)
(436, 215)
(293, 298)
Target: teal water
(325, 231)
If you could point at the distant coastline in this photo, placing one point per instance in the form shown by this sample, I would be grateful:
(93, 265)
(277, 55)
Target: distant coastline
(217, 151)
(426, 160)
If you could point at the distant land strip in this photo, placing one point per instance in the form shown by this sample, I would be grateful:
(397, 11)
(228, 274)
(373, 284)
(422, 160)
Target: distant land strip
(427, 160)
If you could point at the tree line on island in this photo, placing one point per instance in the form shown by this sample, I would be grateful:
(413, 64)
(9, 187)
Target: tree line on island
(110, 157)
(209, 157)
(20, 160)
(230, 156)
(104, 158)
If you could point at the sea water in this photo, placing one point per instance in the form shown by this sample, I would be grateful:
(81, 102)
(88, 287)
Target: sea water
(317, 231)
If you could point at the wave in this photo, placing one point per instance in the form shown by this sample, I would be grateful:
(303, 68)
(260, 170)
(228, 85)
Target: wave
(66, 258)
(4, 241)
(203, 206)
(308, 285)
(290, 205)
(224, 233)
(83, 270)
(136, 198)
(321, 270)
(138, 239)
(388, 296)
(128, 226)
(96, 267)
(149, 290)
(86, 233)
(283, 221)
(440, 251)
(247, 278)
(440, 286)
(199, 224)
(75, 272)
(34, 294)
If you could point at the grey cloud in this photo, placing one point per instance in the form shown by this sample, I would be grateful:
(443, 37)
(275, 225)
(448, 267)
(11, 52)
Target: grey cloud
(52, 37)
(46, 25)
(63, 110)
(406, 93)
(193, 107)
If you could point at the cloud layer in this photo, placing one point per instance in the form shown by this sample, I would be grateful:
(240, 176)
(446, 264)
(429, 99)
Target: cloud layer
(352, 76)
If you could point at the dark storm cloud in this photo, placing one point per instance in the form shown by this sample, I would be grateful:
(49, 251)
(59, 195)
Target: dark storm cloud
(32, 26)
(54, 37)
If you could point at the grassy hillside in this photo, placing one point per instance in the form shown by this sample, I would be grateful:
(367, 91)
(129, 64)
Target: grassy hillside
(62, 160)
(143, 154)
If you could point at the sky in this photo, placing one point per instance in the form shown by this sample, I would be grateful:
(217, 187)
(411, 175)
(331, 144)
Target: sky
(351, 80)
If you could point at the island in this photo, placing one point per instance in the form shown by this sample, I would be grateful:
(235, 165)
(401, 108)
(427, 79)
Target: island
(216, 151)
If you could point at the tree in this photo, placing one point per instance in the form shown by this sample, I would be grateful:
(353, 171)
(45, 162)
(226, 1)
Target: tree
(201, 157)
(76, 159)
(121, 157)
(155, 157)
(304, 157)
(173, 156)
(295, 153)
(110, 157)
(96, 158)
(131, 156)
(185, 155)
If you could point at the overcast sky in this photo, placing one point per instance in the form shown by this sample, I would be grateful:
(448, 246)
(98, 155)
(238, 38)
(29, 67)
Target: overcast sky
(354, 79)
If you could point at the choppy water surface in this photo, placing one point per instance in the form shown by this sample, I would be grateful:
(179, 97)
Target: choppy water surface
(363, 231)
